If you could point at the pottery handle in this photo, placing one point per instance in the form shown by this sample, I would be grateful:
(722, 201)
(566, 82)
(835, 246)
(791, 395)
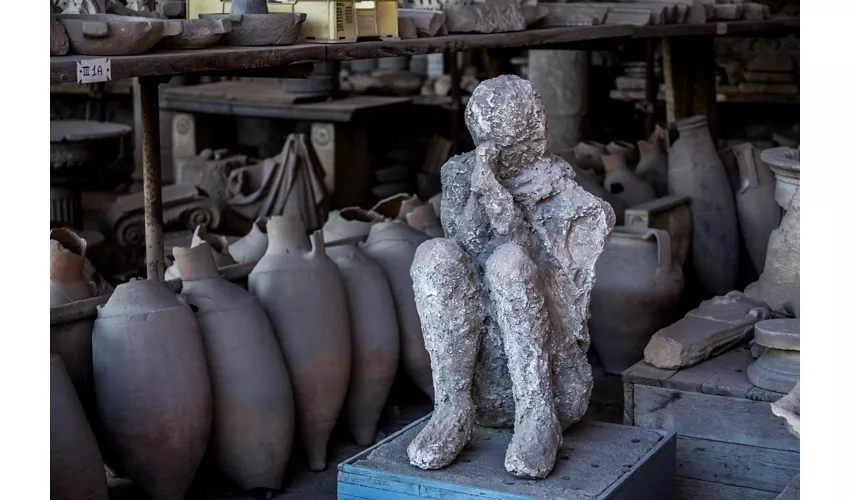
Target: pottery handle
(317, 242)
(665, 250)
(95, 29)
(172, 28)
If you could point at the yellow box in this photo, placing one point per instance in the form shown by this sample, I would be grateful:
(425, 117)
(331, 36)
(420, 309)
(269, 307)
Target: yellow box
(195, 7)
(387, 19)
(367, 19)
(328, 21)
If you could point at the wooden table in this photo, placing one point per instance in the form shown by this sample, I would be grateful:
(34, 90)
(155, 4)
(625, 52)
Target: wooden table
(338, 131)
(730, 445)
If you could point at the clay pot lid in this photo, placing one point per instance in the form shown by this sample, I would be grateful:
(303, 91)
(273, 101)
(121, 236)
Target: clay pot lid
(81, 130)
(783, 161)
(779, 334)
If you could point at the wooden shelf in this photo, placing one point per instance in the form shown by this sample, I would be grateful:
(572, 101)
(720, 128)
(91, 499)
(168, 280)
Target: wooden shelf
(221, 59)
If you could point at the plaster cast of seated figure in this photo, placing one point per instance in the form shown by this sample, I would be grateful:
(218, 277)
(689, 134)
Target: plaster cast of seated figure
(503, 299)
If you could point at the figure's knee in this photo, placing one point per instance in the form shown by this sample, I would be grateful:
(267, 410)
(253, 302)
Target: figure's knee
(509, 265)
(440, 260)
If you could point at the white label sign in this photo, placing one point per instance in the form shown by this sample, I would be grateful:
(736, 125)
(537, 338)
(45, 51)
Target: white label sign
(94, 70)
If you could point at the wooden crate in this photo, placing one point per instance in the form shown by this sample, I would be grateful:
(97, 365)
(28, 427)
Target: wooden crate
(730, 446)
(597, 460)
(328, 21)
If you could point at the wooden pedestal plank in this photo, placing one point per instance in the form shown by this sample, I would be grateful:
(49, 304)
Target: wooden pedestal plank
(596, 461)
(729, 444)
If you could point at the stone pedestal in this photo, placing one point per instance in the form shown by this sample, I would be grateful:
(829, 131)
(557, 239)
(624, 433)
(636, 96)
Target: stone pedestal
(560, 76)
(778, 369)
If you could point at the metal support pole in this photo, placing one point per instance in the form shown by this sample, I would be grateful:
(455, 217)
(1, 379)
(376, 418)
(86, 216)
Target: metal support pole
(455, 93)
(152, 177)
(651, 87)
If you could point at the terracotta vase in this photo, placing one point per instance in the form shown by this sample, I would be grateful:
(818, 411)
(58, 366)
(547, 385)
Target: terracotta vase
(637, 291)
(374, 339)
(425, 219)
(696, 171)
(152, 385)
(76, 467)
(252, 246)
(397, 206)
(302, 293)
(779, 284)
(349, 224)
(653, 164)
(218, 245)
(625, 149)
(589, 183)
(72, 341)
(392, 245)
(588, 155)
(758, 212)
(251, 391)
(625, 184)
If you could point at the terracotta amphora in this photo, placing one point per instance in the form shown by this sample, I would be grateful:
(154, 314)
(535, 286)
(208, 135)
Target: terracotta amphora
(251, 391)
(374, 339)
(252, 246)
(392, 245)
(588, 155)
(695, 170)
(625, 184)
(349, 224)
(72, 341)
(397, 206)
(637, 291)
(152, 386)
(758, 212)
(302, 293)
(76, 467)
(625, 149)
(218, 244)
(653, 164)
(589, 183)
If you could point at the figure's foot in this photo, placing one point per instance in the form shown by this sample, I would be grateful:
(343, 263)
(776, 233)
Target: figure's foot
(443, 437)
(534, 447)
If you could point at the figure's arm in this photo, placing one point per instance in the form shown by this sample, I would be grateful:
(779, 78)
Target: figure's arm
(498, 203)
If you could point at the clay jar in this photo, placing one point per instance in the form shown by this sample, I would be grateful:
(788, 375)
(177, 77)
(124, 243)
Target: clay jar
(653, 164)
(590, 184)
(695, 170)
(758, 212)
(76, 467)
(625, 184)
(152, 385)
(252, 246)
(251, 391)
(637, 291)
(392, 245)
(588, 155)
(302, 293)
(218, 245)
(72, 341)
(350, 224)
(624, 149)
(374, 337)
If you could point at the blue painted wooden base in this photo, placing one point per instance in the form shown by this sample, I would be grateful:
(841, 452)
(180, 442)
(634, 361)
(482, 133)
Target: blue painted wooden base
(596, 461)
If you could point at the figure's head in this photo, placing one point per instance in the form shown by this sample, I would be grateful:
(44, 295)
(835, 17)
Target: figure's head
(507, 111)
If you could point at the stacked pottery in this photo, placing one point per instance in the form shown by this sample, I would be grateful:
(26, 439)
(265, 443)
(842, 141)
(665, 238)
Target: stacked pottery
(350, 224)
(374, 339)
(76, 467)
(653, 163)
(392, 245)
(758, 212)
(779, 284)
(696, 171)
(218, 245)
(625, 184)
(588, 155)
(252, 246)
(302, 293)
(624, 149)
(408, 208)
(637, 291)
(72, 341)
(152, 385)
(251, 391)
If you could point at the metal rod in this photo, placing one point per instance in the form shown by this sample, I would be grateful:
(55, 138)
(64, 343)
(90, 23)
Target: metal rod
(152, 178)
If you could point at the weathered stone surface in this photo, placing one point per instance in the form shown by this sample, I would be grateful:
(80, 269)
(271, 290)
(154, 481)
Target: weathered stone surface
(503, 300)
(58, 37)
(484, 18)
(715, 326)
(778, 367)
(792, 491)
(788, 409)
(781, 333)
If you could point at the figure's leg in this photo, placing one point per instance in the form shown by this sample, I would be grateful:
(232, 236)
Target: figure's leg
(449, 301)
(515, 289)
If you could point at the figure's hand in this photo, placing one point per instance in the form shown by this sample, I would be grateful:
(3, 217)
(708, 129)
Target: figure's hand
(483, 179)
(496, 200)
